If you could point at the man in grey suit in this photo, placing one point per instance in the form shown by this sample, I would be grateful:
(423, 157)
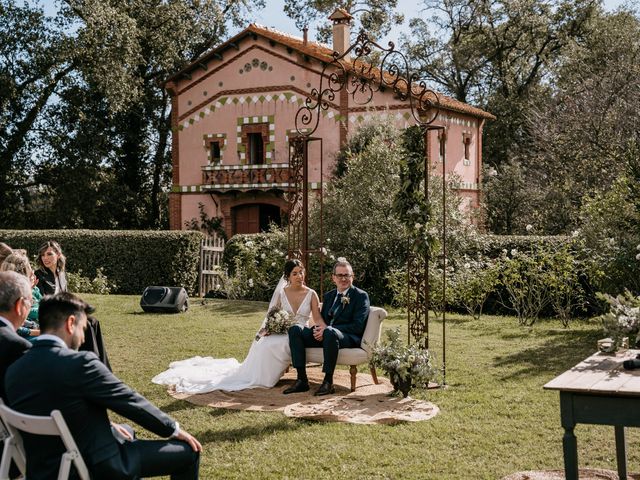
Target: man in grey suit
(54, 375)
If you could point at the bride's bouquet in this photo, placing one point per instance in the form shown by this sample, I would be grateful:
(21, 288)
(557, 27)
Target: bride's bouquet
(278, 321)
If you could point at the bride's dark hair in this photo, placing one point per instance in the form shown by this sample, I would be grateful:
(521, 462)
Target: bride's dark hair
(289, 265)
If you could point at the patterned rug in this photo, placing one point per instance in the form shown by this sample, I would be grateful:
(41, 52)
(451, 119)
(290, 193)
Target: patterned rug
(369, 404)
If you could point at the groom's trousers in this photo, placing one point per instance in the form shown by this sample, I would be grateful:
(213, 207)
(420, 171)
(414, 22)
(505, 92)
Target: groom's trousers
(299, 339)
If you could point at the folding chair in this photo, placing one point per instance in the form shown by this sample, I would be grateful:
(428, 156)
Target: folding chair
(12, 448)
(50, 425)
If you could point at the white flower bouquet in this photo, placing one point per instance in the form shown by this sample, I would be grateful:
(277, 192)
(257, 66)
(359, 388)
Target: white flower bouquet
(278, 321)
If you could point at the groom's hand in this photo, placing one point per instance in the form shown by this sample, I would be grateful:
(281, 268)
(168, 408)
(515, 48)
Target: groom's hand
(318, 332)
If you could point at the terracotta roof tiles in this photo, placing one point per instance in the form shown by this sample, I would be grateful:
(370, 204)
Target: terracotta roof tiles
(324, 53)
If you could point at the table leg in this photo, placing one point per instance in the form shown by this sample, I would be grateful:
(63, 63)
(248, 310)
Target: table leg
(621, 452)
(569, 442)
(570, 449)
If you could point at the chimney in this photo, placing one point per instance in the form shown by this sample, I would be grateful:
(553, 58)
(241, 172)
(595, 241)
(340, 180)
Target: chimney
(341, 30)
(305, 30)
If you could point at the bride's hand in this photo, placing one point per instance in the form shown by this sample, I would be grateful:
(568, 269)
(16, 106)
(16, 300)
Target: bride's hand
(263, 332)
(318, 331)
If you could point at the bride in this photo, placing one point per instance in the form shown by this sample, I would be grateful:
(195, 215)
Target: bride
(269, 355)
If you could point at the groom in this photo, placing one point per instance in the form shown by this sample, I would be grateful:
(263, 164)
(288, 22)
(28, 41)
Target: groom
(344, 316)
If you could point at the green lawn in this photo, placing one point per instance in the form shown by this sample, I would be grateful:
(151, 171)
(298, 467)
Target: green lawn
(495, 418)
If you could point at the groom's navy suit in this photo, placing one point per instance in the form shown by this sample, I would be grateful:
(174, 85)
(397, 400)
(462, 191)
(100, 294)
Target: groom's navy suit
(51, 376)
(346, 323)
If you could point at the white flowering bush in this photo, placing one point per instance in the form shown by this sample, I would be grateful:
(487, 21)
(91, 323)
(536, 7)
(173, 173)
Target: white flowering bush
(78, 283)
(622, 319)
(254, 264)
(407, 366)
(474, 280)
(545, 279)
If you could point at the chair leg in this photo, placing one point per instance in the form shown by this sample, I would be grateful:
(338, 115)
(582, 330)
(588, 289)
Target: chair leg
(374, 375)
(353, 370)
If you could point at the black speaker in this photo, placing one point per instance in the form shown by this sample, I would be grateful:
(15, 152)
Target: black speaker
(164, 300)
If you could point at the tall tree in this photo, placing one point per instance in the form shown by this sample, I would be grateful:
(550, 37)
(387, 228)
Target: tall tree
(34, 59)
(377, 17)
(580, 136)
(496, 53)
(116, 54)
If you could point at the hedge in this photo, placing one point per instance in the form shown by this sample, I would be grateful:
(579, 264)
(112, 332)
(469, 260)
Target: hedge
(132, 259)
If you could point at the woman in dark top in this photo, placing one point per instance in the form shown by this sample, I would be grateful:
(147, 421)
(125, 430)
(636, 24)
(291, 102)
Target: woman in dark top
(51, 274)
(52, 279)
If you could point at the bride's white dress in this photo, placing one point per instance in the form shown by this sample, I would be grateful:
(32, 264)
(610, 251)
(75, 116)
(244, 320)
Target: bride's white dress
(266, 361)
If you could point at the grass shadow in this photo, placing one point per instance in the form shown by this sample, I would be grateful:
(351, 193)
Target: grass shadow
(255, 432)
(559, 353)
(178, 405)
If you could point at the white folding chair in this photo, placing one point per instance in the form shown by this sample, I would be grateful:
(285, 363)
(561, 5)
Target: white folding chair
(12, 449)
(50, 425)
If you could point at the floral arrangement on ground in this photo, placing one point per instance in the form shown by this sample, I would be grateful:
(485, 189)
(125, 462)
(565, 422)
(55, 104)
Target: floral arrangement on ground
(407, 366)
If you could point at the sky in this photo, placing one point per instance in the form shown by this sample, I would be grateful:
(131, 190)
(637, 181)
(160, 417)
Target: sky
(273, 16)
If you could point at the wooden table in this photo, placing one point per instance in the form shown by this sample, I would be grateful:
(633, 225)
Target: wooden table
(598, 391)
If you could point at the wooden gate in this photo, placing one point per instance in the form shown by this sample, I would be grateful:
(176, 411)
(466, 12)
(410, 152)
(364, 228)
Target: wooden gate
(211, 249)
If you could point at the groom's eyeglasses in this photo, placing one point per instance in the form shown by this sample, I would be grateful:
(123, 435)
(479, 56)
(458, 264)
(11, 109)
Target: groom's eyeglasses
(343, 276)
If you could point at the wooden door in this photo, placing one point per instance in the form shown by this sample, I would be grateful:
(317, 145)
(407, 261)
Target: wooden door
(246, 219)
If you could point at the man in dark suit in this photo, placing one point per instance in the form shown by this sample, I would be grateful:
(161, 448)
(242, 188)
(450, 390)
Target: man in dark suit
(344, 313)
(54, 375)
(15, 304)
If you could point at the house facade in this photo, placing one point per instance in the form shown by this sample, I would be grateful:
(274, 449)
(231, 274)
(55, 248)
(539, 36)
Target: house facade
(234, 112)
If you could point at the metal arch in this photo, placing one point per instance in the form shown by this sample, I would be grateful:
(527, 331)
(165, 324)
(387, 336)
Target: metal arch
(362, 79)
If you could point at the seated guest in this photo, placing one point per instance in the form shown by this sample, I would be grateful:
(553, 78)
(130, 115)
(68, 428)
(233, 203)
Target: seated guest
(83, 389)
(5, 251)
(51, 274)
(17, 262)
(14, 308)
(52, 279)
(15, 303)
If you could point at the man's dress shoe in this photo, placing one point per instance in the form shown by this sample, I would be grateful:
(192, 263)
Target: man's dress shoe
(298, 386)
(325, 389)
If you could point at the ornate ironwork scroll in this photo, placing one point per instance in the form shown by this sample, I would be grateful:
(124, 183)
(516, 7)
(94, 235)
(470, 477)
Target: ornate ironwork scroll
(354, 72)
(295, 197)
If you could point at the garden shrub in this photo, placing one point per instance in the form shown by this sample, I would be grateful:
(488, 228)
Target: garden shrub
(473, 282)
(130, 259)
(77, 283)
(253, 264)
(545, 279)
(610, 231)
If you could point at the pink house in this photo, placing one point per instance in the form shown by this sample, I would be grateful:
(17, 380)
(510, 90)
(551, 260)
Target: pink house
(234, 111)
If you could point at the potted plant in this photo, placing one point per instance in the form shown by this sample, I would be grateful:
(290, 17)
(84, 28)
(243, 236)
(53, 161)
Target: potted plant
(621, 322)
(407, 366)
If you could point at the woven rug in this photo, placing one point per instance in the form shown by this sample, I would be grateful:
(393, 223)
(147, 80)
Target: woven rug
(583, 473)
(369, 404)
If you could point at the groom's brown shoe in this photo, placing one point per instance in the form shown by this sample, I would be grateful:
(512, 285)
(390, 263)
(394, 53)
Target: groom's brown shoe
(325, 389)
(297, 387)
